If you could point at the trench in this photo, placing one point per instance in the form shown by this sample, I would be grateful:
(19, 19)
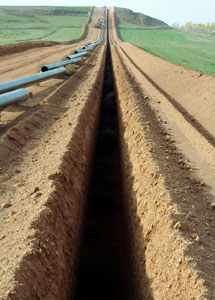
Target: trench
(102, 269)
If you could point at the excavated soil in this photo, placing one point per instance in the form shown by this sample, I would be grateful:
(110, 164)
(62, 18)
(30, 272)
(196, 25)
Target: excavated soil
(102, 271)
(183, 100)
(26, 63)
(45, 161)
(29, 62)
(20, 47)
(64, 239)
(170, 212)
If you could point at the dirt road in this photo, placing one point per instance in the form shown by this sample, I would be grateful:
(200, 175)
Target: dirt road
(166, 221)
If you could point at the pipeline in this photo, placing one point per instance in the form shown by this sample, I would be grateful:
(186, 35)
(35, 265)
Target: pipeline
(82, 50)
(28, 80)
(59, 64)
(90, 46)
(76, 55)
(11, 89)
(14, 97)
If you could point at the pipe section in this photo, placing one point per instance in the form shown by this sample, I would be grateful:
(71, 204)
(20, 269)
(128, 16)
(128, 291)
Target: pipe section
(76, 55)
(47, 71)
(91, 45)
(29, 80)
(14, 97)
(82, 50)
(59, 64)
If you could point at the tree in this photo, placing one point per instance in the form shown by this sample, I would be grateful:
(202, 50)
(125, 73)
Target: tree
(176, 26)
(188, 26)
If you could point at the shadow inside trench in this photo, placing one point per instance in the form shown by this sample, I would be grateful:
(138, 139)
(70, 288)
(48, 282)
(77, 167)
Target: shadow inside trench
(104, 270)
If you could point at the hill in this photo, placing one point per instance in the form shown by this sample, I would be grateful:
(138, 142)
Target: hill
(127, 16)
(32, 11)
(36, 23)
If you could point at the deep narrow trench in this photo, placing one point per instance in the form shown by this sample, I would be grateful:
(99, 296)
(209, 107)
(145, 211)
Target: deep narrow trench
(102, 270)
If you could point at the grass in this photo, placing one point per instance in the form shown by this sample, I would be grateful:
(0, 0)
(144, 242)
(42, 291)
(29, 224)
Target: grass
(9, 36)
(192, 50)
(64, 34)
(18, 24)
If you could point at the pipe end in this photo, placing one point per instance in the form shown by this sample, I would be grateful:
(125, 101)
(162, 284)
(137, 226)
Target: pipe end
(44, 69)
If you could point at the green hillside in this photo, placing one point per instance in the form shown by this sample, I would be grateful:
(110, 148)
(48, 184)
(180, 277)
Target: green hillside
(34, 23)
(192, 50)
(32, 11)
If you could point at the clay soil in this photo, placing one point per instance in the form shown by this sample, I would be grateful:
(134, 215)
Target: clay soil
(167, 140)
(45, 156)
(166, 120)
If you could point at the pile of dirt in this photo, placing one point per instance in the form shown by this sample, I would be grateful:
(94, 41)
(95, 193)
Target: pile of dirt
(44, 173)
(170, 211)
(20, 47)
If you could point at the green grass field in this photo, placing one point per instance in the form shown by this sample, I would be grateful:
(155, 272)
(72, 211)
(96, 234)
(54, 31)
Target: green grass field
(19, 24)
(192, 50)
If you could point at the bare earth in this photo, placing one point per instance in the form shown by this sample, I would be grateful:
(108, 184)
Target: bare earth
(166, 119)
(42, 196)
(29, 62)
(167, 122)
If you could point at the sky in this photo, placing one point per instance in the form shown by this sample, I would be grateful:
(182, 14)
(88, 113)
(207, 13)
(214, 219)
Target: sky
(169, 11)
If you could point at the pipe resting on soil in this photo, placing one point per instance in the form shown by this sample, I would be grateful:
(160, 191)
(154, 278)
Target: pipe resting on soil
(135, 244)
(43, 251)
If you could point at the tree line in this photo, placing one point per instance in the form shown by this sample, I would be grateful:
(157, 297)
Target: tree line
(189, 26)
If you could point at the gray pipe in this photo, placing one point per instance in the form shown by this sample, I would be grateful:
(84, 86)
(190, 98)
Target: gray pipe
(76, 55)
(59, 64)
(29, 80)
(14, 97)
(89, 46)
(83, 50)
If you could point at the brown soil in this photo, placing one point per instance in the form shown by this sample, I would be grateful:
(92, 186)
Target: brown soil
(20, 47)
(27, 63)
(45, 159)
(22, 64)
(102, 271)
(169, 210)
(43, 188)
(166, 135)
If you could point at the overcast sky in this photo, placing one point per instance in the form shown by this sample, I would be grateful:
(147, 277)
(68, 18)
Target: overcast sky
(169, 11)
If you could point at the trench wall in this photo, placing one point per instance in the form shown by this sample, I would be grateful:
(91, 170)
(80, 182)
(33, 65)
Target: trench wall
(51, 229)
(159, 252)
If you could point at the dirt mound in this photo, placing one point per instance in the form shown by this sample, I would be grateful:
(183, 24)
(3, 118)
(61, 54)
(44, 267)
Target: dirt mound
(167, 161)
(20, 47)
(45, 158)
(169, 210)
(48, 175)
